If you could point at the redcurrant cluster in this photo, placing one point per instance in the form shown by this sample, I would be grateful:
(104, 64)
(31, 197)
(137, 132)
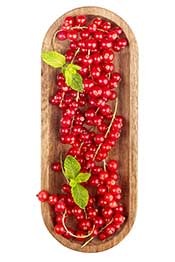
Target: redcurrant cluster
(104, 212)
(91, 127)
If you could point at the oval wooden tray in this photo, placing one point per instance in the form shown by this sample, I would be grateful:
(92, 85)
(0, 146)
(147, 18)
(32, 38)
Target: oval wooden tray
(126, 149)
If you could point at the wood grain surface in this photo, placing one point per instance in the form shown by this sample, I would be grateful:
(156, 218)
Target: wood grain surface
(125, 151)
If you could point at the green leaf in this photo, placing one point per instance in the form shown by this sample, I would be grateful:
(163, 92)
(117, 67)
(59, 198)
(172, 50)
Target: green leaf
(68, 76)
(77, 82)
(75, 67)
(72, 167)
(73, 182)
(82, 177)
(73, 79)
(53, 59)
(80, 195)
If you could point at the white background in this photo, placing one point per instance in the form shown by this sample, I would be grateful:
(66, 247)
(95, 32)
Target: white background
(23, 234)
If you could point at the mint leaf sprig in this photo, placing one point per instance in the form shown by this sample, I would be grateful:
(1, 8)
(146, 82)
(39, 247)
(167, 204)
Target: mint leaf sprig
(57, 60)
(72, 173)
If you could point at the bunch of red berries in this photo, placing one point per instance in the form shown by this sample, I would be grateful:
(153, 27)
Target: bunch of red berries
(104, 212)
(91, 126)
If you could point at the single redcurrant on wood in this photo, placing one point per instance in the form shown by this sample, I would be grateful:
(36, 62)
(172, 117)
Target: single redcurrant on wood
(56, 166)
(43, 196)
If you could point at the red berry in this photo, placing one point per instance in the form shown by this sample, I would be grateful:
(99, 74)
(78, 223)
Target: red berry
(84, 34)
(85, 224)
(59, 218)
(53, 199)
(108, 55)
(98, 35)
(102, 236)
(92, 213)
(76, 211)
(106, 44)
(92, 28)
(94, 181)
(88, 84)
(56, 166)
(99, 221)
(73, 45)
(90, 113)
(61, 35)
(105, 110)
(115, 189)
(43, 196)
(103, 175)
(119, 219)
(112, 165)
(96, 170)
(107, 212)
(97, 58)
(69, 20)
(118, 30)
(106, 26)
(97, 21)
(110, 182)
(65, 188)
(113, 204)
(72, 35)
(98, 120)
(103, 80)
(59, 229)
(66, 121)
(110, 230)
(112, 35)
(119, 209)
(60, 206)
(80, 20)
(116, 76)
(108, 197)
(99, 139)
(95, 92)
(108, 67)
(96, 72)
(101, 190)
(122, 42)
(69, 55)
(91, 44)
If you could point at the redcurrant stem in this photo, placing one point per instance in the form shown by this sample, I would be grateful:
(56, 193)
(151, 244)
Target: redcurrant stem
(85, 213)
(90, 239)
(77, 51)
(53, 39)
(77, 97)
(81, 145)
(62, 98)
(85, 27)
(87, 242)
(61, 161)
(109, 127)
(104, 164)
(97, 110)
(101, 230)
(70, 233)
(113, 117)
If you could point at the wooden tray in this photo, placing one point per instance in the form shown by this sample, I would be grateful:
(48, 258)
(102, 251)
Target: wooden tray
(126, 149)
